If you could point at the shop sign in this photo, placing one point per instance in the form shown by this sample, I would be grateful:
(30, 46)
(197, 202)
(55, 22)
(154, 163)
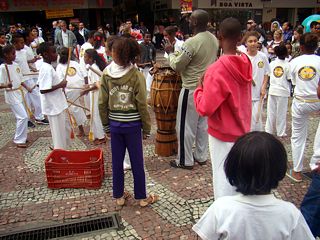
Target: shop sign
(234, 4)
(61, 13)
(186, 6)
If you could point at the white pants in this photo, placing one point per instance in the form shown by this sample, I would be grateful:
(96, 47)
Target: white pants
(86, 99)
(277, 115)
(218, 154)
(21, 116)
(148, 77)
(60, 130)
(97, 127)
(300, 115)
(316, 147)
(256, 125)
(33, 99)
(77, 112)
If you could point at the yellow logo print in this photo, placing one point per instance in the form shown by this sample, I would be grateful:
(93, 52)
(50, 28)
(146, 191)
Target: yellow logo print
(278, 72)
(18, 70)
(307, 73)
(261, 64)
(71, 71)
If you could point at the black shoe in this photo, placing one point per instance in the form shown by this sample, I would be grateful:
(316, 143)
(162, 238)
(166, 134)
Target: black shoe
(31, 124)
(200, 163)
(176, 165)
(42, 122)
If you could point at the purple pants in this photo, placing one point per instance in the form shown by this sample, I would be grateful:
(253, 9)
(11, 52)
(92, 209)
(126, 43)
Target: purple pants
(130, 138)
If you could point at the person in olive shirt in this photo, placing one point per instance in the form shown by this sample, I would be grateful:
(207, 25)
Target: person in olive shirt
(198, 52)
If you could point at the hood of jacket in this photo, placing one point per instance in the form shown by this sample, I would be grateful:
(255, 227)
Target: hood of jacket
(118, 72)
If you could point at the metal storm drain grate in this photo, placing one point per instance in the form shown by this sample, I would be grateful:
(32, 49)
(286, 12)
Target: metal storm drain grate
(65, 229)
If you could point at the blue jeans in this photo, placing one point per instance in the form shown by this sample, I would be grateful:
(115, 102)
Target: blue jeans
(310, 206)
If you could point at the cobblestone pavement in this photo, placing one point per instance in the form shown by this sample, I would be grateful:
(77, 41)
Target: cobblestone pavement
(25, 200)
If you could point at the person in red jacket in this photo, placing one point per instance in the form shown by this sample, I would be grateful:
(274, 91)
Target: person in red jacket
(224, 95)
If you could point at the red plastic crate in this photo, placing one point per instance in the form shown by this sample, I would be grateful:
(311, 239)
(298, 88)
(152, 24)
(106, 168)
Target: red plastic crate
(75, 169)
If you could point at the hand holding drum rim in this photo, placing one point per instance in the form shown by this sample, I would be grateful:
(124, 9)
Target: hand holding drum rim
(200, 81)
(167, 45)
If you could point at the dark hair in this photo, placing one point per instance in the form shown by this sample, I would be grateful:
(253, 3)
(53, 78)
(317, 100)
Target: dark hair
(313, 24)
(299, 29)
(26, 33)
(309, 41)
(2, 33)
(98, 38)
(110, 41)
(171, 30)
(96, 58)
(5, 50)
(230, 28)
(91, 34)
(63, 53)
(126, 50)
(16, 36)
(44, 48)
(146, 33)
(256, 163)
(281, 51)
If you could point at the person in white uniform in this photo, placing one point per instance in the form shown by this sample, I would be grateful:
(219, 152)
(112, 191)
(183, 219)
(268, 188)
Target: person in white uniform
(260, 71)
(75, 79)
(10, 80)
(95, 65)
(255, 165)
(53, 100)
(305, 71)
(32, 95)
(279, 92)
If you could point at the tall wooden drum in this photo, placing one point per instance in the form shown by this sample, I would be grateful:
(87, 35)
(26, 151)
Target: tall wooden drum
(165, 90)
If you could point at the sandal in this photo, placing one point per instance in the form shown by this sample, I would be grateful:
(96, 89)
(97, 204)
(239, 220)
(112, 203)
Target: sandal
(121, 201)
(152, 198)
(290, 175)
(21, 145)
(99, 141)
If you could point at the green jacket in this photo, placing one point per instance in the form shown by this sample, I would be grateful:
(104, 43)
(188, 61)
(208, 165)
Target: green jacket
(124, 99)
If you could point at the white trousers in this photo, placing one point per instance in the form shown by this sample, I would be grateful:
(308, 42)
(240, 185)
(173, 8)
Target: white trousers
(316, 147)
(256, 125)
(148, 77)
(86, 99)
(33, 99)
(21, 116)
(97, 127)
(77, 112)
(60, 130)
(218, 154)
(277, 115)
(300, 118)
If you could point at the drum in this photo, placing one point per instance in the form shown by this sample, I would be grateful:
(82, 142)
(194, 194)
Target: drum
(165, 90)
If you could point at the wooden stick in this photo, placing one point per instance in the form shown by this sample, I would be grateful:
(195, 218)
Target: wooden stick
(31, 74)
(259, 109)
(77, 105)
(95, 71)
(75, 88)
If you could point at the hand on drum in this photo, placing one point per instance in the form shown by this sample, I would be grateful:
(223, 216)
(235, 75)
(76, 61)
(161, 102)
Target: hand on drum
(200, 82)
(168, 47)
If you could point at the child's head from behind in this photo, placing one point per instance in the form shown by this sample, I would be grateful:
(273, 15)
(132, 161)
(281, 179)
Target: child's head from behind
(63, 55)
(281, 51)
(125, 51)
(256, 163)
(230, 31)
(309, 42)
(8, 53)
(48, 52)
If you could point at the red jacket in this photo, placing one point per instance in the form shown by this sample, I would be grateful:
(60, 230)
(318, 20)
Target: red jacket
(225, 97)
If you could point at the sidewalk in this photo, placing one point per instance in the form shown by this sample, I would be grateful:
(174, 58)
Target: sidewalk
(25, 200)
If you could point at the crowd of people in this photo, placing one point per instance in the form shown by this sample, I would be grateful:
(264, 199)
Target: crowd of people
(80, 74)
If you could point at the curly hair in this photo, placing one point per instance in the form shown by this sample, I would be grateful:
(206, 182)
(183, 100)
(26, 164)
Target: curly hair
(309, 41)
(126, 50)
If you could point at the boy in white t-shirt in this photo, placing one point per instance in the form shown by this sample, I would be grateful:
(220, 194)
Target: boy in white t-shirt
(32, 95)
(260, 71)
(255, 165)
(279, 92)
(53, 100)
(10, 80)
(305, 71)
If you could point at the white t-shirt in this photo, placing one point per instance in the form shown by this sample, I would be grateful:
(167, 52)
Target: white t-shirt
(11, 97)
(52, 103)
(64, 38)
(92, 76)
(279, 76)
(102, 53)
(260, 68)
(177, 47)
(75, 76)
(251, 218)
(305, 71)
(22, 61)
(83, 48)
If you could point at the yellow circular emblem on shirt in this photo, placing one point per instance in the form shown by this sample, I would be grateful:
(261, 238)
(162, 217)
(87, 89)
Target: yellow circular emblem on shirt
(278, 72)
(307, 73)
(18, 70)
(82, 53)
(71, 71)
(261, 64)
